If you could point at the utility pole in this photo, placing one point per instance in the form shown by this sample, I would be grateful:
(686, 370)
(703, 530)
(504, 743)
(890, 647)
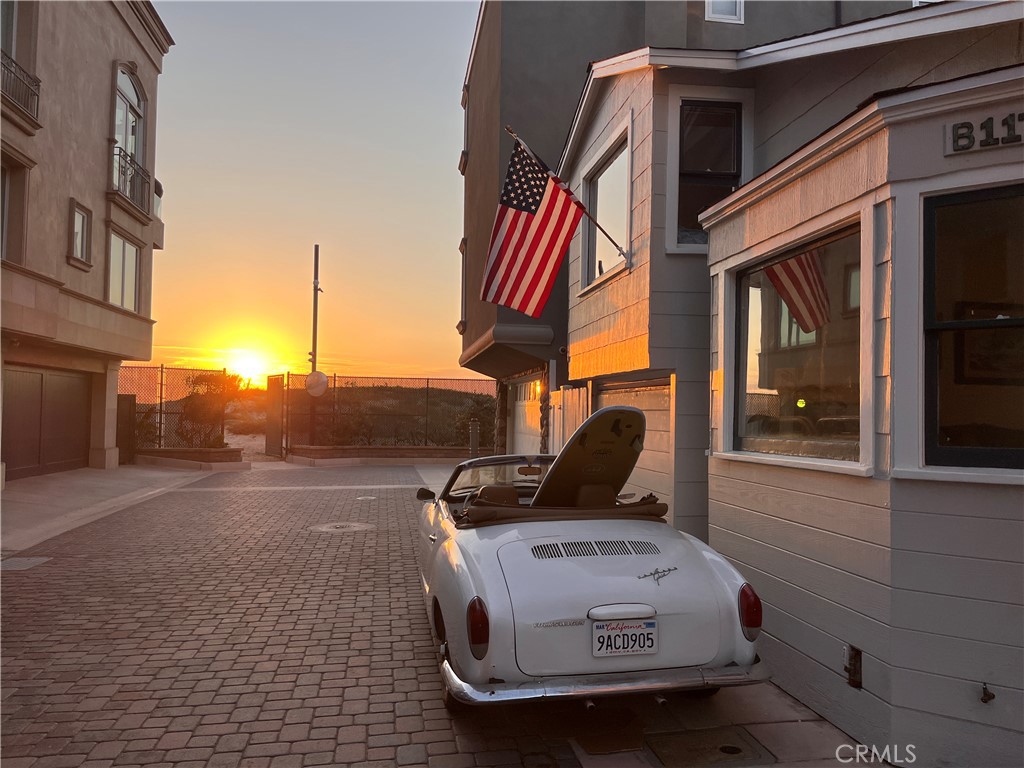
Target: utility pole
(312, 354)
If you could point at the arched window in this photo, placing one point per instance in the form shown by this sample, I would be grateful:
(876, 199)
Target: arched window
(131, 178)
(129, 114)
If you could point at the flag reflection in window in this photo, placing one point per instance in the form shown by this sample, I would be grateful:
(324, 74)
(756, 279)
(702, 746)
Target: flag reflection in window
(799, 354)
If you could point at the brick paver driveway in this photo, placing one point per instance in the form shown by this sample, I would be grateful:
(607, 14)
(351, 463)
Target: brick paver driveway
(216, 626)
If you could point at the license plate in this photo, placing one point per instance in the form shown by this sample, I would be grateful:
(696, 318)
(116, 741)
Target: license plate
(625, 638)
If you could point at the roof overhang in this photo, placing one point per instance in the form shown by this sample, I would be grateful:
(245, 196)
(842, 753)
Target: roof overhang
(890, 109)
(925, 21)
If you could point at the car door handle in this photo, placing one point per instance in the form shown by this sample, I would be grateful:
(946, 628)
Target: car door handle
(432, 537)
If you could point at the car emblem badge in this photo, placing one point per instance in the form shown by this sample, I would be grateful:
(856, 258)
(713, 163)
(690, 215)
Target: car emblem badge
(560, 623)
(658, 574)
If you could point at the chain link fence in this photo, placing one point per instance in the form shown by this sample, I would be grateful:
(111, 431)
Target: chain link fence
(174, 407)
(389, 411)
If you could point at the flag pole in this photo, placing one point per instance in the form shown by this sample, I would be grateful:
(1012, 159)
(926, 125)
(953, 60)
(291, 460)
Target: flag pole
(622, 253)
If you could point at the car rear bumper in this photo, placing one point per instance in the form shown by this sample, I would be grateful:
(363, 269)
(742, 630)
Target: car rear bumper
(589, 686)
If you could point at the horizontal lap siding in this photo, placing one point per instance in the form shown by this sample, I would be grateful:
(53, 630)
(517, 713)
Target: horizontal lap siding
(958, 618)
(816, 548)
(609, 326)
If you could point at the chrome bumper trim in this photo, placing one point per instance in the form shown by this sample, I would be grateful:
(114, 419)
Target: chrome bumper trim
(585, 686)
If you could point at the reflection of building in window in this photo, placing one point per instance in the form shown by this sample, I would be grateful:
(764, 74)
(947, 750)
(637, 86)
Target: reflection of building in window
(974, 328)
(608, 201)
(124, 273)
(801, 354)
(709, 160)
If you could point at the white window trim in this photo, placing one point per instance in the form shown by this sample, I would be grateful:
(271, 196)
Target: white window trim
(710, 15)
(859, 212)
(676, 95)
(908, 347)
(588, 231)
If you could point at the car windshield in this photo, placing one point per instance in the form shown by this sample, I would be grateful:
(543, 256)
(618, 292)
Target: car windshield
(518, 472)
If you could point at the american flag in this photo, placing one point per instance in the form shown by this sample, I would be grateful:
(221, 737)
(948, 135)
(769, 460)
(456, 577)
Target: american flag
(800, 283)
(537, 216)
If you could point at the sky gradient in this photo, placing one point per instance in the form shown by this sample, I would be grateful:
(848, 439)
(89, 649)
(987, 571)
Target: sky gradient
(284, 124)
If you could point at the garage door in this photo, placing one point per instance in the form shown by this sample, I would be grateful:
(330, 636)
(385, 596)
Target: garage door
(524, 417)
(654, 470)
(45, 421)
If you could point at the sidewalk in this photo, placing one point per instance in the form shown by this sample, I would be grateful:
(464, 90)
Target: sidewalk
(35, 509)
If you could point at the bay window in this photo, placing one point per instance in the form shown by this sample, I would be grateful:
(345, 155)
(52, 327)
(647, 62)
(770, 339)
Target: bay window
(798, 353)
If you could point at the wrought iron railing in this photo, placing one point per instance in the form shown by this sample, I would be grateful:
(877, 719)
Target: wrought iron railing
(21, 86)
(131, 180)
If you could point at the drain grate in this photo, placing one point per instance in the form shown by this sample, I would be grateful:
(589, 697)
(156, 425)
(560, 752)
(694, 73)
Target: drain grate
(342, 527)
(21, 563)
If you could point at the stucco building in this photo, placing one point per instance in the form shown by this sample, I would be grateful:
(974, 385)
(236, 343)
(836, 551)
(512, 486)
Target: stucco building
(856, 451)
(81, 221)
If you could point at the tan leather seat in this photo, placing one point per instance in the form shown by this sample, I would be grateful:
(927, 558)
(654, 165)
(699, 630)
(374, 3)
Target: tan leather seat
(497, 494)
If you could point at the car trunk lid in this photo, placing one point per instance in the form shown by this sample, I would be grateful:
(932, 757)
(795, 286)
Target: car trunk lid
(561, 587)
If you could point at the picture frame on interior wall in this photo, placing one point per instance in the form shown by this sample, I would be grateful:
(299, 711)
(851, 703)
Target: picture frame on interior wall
(982, 355)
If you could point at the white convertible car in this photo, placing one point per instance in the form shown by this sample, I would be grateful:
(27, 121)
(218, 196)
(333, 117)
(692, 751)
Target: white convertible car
(540, 582)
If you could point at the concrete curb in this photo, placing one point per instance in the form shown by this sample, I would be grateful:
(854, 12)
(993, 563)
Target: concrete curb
(203, 466)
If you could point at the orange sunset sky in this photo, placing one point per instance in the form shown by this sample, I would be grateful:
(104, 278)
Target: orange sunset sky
(282, 125)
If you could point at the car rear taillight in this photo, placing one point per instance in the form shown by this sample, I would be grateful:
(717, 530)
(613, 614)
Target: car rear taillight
(750, 612)
(479, 627)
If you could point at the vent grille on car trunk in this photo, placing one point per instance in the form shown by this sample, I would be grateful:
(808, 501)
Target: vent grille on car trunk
(593, 549)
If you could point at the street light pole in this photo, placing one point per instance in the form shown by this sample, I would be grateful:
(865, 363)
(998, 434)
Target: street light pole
(312, 354)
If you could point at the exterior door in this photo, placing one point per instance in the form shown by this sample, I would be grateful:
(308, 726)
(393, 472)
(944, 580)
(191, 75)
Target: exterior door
(45, 421)
(654, 472)
(524, 417)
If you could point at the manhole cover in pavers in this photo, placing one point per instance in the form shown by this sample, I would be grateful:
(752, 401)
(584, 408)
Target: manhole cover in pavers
(21, 563)
(365, 498)
(342, 527)
(718, 747)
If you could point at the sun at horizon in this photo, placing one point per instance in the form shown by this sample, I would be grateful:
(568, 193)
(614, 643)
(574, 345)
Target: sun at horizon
(247, 363)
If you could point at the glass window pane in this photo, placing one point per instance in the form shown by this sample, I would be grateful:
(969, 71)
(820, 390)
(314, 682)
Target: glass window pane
(799, 361)
(729, 8)
(696, 196)
(979, 259)
(981, 377)
(131, 270)
(609, 205)
(708, 138)
(116, 269)
(80, 250)
(126, 85)
(120, 122)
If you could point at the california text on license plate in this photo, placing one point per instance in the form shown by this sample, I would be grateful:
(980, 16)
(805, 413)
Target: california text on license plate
(624, 638)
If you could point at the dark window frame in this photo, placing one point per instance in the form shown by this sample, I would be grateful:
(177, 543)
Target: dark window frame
(706, 178)
(932, 329)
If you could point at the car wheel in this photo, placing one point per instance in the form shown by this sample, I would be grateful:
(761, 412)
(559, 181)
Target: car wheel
(704, 693)
(439, 623)
(453, 705)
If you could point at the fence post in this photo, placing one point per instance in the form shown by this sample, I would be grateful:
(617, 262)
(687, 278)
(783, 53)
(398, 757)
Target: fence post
(286, 413)
(426, 415)
(474, 437)
(160, 412)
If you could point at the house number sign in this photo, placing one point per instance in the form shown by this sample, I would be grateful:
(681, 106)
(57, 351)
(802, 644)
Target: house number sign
(992, 131)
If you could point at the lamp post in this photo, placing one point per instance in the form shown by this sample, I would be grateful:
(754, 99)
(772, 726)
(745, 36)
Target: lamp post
(313, 387)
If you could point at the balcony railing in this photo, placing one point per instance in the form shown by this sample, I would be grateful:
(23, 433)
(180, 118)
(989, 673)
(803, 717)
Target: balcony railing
(131, 180)
(21, 86)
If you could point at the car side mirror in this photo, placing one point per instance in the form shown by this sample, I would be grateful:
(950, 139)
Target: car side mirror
(425, 494)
